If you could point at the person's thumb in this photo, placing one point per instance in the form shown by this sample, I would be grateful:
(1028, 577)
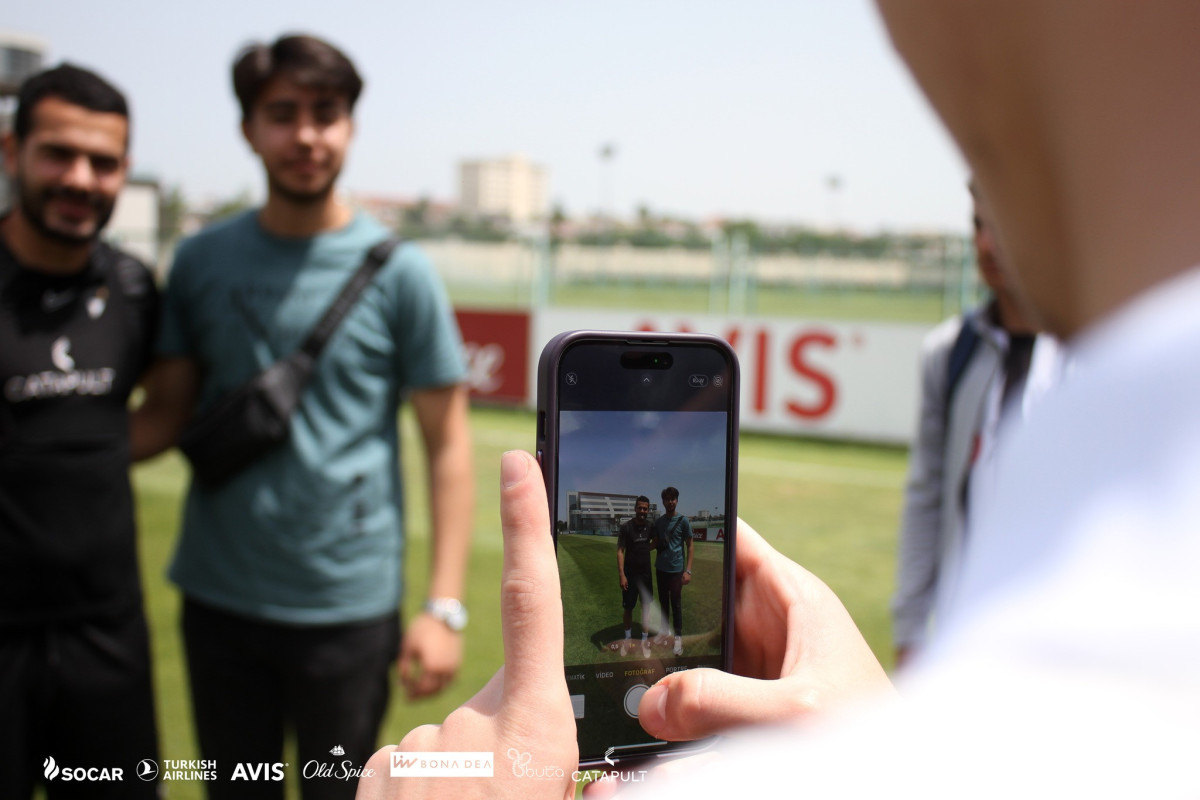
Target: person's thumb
(703, 702)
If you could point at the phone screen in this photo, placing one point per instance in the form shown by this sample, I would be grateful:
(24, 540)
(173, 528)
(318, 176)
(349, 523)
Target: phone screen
(644, 445)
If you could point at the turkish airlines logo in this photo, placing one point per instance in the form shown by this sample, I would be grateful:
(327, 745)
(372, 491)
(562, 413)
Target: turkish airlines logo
(60, 354)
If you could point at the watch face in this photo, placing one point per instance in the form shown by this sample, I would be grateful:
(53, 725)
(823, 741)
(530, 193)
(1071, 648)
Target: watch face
(449, 611)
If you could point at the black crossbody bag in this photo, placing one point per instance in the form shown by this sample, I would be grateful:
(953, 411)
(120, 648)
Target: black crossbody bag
(254, 418)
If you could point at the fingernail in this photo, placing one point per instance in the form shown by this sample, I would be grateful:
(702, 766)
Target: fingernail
(655, 701)
(514, 466)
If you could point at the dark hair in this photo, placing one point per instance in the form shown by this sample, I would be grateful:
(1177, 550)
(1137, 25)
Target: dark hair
(670, 493)
(72, 84)
(307, 60)
(642, 499)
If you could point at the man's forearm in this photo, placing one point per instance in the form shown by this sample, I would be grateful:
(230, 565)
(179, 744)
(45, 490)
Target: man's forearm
(170, 386)
(443, 421)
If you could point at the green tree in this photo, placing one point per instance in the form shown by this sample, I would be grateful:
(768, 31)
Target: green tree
(171, 208)
(234, 205)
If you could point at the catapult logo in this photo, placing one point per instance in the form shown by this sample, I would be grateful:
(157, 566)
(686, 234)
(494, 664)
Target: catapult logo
(61, 381)
(52, 772)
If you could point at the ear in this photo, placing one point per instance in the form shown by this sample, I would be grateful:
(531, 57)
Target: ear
(247, 134)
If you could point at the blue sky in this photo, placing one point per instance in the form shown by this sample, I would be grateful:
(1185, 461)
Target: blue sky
(643, 452)
(733, 109)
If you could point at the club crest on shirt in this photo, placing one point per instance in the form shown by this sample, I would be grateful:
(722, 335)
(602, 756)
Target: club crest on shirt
(60, 354)
(97, 302)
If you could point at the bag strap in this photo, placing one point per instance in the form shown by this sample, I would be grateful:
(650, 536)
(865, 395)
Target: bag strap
(960, 356)
(675, 526)
(337, 311)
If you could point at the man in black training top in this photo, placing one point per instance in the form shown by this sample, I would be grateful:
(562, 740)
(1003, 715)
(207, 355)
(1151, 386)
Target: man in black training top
(673, 563)
(76, 321)
(635, 540)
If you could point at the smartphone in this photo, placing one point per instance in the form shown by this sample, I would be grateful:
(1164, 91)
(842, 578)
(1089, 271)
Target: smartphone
(637, 438)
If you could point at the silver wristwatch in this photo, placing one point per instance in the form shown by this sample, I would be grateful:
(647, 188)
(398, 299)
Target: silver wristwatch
(449, 610)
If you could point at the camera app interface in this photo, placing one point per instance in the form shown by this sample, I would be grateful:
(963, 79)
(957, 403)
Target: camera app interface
(641, 524)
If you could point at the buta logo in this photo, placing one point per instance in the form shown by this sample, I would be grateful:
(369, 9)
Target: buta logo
(53, 772)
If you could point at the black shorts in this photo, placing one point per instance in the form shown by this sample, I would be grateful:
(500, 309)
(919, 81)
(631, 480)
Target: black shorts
(639, 586)
(78, 693)
(254, 680)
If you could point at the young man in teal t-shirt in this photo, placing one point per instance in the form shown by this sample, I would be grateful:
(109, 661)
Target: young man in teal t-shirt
(292, 571)
(673, 564)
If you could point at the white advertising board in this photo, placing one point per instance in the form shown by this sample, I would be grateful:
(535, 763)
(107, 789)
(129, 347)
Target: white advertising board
(845, 380)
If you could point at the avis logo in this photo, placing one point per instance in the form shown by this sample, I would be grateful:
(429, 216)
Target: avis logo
(52, 771)
(261, 771)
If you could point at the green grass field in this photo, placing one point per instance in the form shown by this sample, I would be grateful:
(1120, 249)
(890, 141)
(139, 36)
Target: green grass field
(839, 303)
(592, 600)
(831, 506)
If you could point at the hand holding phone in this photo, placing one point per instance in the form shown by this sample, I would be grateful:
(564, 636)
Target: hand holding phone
(637, 436)
(525, 709)
(797, 652)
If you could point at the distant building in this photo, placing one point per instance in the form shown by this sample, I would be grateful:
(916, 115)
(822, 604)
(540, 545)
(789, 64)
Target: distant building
(20, 57)
(392, 211)
(134, 223)
(601, 513)
(511, 188)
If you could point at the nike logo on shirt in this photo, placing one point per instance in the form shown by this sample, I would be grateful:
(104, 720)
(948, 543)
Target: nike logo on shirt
(53, 301)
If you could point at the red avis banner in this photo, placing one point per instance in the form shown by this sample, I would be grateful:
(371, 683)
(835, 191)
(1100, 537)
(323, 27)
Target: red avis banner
(497, 349)
(821, 378)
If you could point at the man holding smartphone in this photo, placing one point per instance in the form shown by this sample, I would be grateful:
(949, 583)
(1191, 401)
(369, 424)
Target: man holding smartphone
(635, 540)
(673, 564)
(1069, 668)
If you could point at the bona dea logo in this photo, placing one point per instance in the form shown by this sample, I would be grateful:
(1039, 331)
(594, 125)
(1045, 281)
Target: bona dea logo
(54, 772)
